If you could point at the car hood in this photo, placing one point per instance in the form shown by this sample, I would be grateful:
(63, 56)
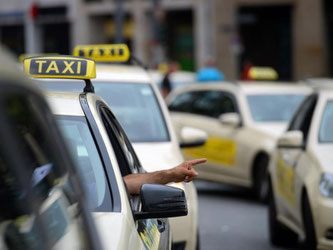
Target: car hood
(323, 154)
(158, 156)
(275, 129)
(111, 229)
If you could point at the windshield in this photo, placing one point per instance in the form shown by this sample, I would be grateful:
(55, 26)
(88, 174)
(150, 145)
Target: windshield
(86, 157)
(326, 131)
(135, 106)
(274, 107)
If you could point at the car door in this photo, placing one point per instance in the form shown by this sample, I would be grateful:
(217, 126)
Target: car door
(41, 202)
(154, 233)
(201, 109)
(289, 183)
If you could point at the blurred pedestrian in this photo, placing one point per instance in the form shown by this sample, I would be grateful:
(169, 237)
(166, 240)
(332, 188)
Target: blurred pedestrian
(210, 73)
(166, 83)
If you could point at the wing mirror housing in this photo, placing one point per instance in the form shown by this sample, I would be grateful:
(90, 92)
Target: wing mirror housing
(230, 119)
(161, 201)
(291, 139)
(192, 137)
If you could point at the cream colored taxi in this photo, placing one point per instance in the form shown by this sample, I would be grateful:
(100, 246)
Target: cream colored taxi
(243, 121)
(301, 176)
(104, 156)
(141, 111)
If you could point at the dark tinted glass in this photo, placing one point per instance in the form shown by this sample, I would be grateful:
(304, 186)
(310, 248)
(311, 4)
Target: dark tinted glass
(183, 102)
(207, 103)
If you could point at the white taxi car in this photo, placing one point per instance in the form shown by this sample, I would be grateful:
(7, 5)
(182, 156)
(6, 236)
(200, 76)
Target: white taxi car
(41, 199)
(243, 122)
(104, 156)
(301, 176)
(141, 111)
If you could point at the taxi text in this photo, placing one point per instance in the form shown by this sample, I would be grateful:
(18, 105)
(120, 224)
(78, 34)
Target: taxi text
(58, 67)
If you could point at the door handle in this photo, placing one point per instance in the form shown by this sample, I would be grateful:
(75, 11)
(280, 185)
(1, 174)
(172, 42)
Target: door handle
(160, 225)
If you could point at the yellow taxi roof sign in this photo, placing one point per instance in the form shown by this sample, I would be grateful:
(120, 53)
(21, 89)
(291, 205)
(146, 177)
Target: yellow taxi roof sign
(263, 73)
(69, 67)
(104, 52)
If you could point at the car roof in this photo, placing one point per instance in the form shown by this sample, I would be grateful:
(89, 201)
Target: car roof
(276, 87)
(250, 87)
(122, 73)
(64, 103)
(319, 84)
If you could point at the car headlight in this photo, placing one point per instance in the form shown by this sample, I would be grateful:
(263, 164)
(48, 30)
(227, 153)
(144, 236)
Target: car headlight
(326, 185)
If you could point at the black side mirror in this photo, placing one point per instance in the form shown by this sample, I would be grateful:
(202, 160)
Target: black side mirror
(160, 201)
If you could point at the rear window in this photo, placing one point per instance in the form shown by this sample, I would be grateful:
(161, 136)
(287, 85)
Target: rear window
(135, 106)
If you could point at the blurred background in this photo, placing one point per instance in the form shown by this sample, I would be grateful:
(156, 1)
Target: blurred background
(295, 37)
(292, 36)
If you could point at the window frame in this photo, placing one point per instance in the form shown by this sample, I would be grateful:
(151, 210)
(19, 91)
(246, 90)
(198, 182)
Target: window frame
(304, 113)
(106, 161)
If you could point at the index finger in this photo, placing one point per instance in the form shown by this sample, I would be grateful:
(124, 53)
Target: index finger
(196, 161)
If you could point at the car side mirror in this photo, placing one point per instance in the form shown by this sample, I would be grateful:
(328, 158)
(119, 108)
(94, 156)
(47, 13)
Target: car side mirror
(230, 119)
(291, 139)
(161, 201)
(192, 137)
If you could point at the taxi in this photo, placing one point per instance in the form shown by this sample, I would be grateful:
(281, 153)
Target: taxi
(42, 203)
(140, 109)
(243, 121)
(104, 155)
(301, 176)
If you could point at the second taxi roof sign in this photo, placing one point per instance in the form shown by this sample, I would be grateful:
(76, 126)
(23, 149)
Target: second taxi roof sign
(104, 52)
